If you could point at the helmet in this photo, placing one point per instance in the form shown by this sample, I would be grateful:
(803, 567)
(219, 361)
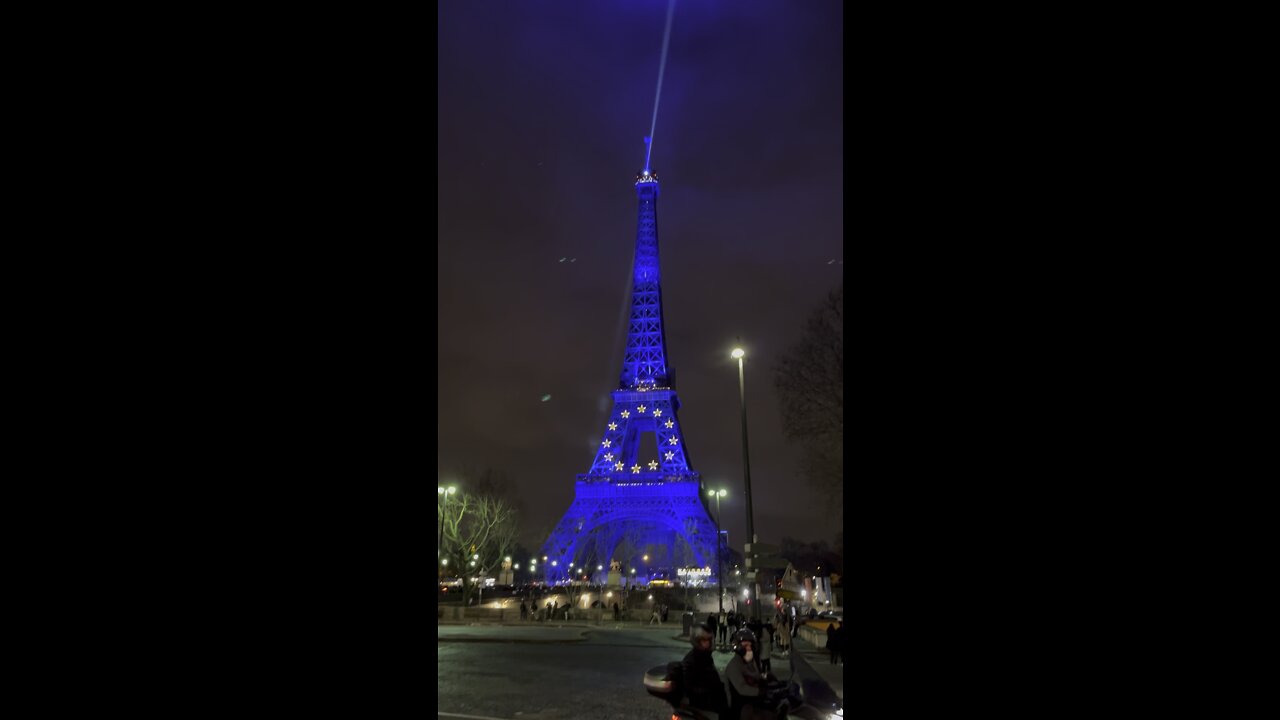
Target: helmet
(744, 634)
(699, 632)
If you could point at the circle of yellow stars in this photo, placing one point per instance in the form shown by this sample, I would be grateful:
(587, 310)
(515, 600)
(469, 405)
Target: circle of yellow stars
(653, 464)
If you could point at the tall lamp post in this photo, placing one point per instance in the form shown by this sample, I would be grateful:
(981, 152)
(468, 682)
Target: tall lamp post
(444, 493)
(739, 353)
(717, 494)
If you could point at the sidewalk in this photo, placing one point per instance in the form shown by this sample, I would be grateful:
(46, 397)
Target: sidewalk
(493, 632)
(819, 659)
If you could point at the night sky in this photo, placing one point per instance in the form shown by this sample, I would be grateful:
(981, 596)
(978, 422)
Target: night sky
(543, 107)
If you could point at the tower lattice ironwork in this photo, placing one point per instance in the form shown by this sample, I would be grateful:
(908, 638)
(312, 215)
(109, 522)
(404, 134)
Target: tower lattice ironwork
(630, 505)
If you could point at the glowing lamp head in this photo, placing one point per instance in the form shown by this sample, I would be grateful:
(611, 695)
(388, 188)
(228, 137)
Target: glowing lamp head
(738, 353)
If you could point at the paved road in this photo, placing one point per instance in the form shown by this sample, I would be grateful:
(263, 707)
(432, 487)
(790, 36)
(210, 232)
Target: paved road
(544, 673)
(541, 672)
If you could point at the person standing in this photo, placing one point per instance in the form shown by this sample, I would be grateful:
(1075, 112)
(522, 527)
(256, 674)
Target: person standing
(724, 628)
(617, 615)
(655, 617)
(840, 640)
(833, 643)
(766, 640)
(524, 611)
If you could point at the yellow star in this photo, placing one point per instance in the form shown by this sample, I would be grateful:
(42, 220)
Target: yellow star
(670, 455)
(613, 426)
(674, 440)
(640, 409)
(635, 469)
(626, 414)
(606, 443)
(657, 412)
(669, 423)
(618, 465)
(653, 464)
(608, 457)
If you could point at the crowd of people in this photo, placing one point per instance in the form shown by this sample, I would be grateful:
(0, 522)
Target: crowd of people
(776, 633)
(533, 609)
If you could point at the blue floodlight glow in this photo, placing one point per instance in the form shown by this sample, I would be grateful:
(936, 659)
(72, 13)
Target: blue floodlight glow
(644, 493)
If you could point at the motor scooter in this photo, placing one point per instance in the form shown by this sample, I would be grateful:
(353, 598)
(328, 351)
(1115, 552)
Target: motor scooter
(807, 695)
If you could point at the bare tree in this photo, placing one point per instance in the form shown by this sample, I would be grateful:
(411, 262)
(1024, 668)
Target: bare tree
(809, 378)
(479, 531)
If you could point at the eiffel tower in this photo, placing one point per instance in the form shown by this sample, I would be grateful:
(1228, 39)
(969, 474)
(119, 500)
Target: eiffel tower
(641, 497)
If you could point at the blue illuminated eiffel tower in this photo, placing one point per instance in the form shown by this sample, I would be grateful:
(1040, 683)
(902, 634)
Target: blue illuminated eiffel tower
(629, 503)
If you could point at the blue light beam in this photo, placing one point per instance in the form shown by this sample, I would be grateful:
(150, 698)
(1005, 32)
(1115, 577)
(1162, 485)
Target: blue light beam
(662, 68)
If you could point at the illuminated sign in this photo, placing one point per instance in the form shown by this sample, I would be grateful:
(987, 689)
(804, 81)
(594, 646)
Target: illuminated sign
(694, 572)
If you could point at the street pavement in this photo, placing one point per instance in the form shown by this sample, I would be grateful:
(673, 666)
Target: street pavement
(528, 671)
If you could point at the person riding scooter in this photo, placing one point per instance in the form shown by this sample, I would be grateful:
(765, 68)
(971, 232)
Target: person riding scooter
(702, 684)
(748, 684)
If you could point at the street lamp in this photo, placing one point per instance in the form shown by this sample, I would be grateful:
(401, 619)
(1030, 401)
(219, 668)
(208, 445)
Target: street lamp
(444, 494)
(717, 494)
(739, 353)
